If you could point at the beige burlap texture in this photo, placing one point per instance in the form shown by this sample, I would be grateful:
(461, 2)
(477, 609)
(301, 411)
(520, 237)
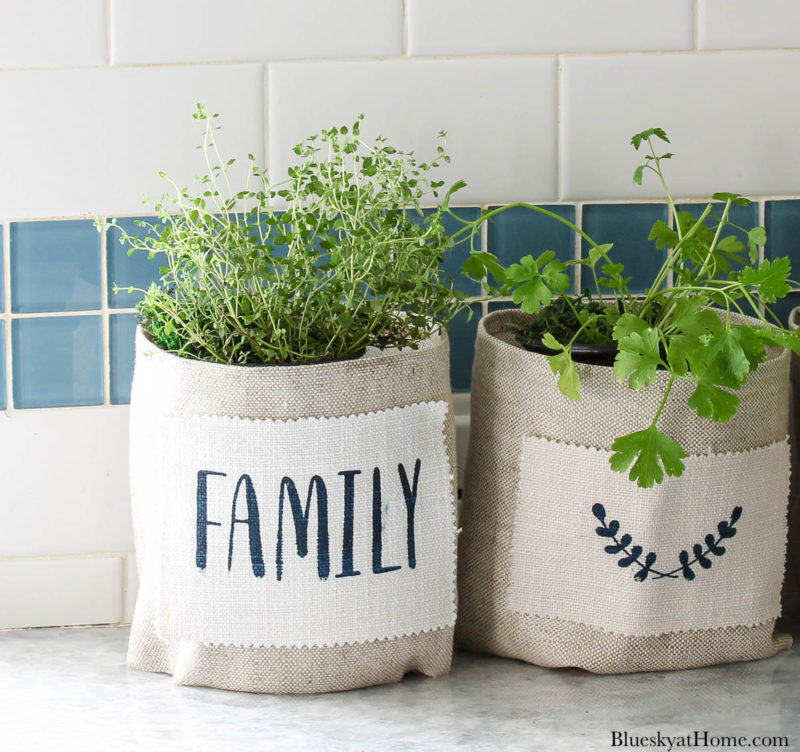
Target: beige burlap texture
(791, 586)
(514, 396)
(165, 385)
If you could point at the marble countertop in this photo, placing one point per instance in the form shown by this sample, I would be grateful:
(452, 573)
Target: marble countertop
(68, 689)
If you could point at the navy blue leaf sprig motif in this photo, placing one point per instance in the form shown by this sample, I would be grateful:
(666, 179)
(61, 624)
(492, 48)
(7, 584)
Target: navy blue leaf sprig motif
(633, 553)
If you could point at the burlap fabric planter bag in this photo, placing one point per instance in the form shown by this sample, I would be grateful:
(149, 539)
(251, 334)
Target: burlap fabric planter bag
(563, 562)
(791, 587)
(295, 526)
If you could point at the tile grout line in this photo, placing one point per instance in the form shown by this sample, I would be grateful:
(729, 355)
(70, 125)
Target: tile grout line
(405, 28)
(578, 249)
(104, 313)
(68, 557)
(478, 57)
(6, 230)
(475, 204)
(62, 314)
(108, 32)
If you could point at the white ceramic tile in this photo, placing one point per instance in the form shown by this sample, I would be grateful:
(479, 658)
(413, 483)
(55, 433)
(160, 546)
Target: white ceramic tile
(60, 592)
(152, 31)
(500, 116)
(40, 33)
(92, 141)
(64, 482)
(731, 120)
(465, 27)
(131, 588)
(744, 24)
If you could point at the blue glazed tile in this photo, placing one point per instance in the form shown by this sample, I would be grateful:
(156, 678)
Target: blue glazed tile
(122, 327)
(627, 227)
(2, 366)
(55, 266)
(782, 223)
(462, 348)
(459, 253)
(135, 270)
(745, 217)
(503, 305)
(519, 231)
(784, 306)
(58, 361)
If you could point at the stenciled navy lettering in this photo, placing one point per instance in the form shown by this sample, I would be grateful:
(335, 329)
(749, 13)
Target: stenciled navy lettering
(410, 494)
(377, 526)
(253, 523)
(203, 522)
(301, 523)
(349, 514)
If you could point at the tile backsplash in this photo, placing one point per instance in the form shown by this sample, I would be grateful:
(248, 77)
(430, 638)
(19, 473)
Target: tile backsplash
(538, 100)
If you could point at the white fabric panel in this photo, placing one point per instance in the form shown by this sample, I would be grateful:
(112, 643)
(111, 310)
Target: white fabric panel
(560, 567)
(247, 604)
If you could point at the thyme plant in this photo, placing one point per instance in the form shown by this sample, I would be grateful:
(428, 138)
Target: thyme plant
(349, 260)
(683, 324)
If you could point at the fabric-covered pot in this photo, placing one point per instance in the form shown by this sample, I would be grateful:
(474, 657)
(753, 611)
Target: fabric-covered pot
(563, 562)
(295, 526)
(791, 586)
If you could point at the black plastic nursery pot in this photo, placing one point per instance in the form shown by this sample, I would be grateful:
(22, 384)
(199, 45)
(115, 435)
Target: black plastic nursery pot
(563, 562)
(582, 352)
(295, 526)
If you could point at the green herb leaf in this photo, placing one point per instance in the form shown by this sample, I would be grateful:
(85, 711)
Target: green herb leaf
(638, 358)
(734, 198)
(598, 252)
(771, 278)
(729, 357)
(689, 319)
(563, 365)
(713, 402)
(638, 173)
(654, 453)
(755, 237)
(649, 133)
(481, 263)
(629, 323)
(779, 338)
(532, 296)
(663, 235)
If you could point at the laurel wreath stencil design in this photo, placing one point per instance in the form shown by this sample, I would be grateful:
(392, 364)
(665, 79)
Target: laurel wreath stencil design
(632, 553)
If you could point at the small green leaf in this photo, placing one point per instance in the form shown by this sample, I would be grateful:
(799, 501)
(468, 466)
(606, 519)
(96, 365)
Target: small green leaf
(734, 198)
(649, 133)
(638, 173)
(638, 358)
(532, 296)
(481, 263)
(663, 235)
(654, 453)
(771, 278)
(755, 237)
(628, 323)
(548, 340)
(713, 402)
(779, 338)
(599, 252)
(563, 365)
